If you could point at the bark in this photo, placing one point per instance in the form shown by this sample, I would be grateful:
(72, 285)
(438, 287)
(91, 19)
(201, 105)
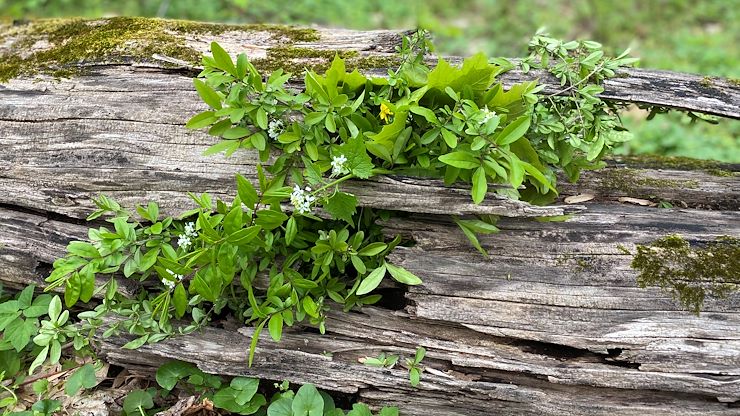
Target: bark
(551, 323)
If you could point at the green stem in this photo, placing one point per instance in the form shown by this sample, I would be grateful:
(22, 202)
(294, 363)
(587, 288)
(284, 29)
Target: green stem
(330, 184)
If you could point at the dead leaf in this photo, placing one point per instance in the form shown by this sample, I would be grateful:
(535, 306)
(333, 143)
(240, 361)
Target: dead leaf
(576, 199)
(637, 201)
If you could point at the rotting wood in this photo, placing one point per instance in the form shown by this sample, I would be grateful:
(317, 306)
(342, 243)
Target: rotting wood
(552, 323)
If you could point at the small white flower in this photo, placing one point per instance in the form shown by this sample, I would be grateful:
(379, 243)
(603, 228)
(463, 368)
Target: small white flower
(487, 115)
(178, 277)
(302, 199)
(169, 284)
(190, 229)
(274, 128)
(183, 241)
(186, 238)
(337, 165)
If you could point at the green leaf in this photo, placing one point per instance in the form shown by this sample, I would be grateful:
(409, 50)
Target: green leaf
(535, 173)
(180, 300)
(372, 249)
(471, 236)
(424, 112)
(402, 275)
(388, 411)
(461, 160)
(39, 360)
(223, 59)
(246, 191)
(72, 290)
(414, 376)
(233, 220)
(314, 118)
(245, 385)
(308, 402)
(276, 327)
(480, 185)
(47, 407)
(310, 307)
(136, 400)
(291, 230)
(207, 94)
(201, 120)
(168, 374)
(341, 206)
(514, 131)
(595, 150)
(449, 138)
(270, 219)
(372, 280)
(83, 377)
(261, 119)
(82, 249)
(255, 339)
(25, 297)
(358, 161)
(136, 343)
(281, 407)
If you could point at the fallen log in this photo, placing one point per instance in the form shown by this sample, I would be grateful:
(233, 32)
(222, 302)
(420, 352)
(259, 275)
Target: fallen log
(551, 323)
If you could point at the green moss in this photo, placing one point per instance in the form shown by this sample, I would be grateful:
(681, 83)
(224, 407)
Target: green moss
(294, 60)
(706, 82)
(631, 182)
(120, 39)
(670, 162)
(688, 273)
(711, 167)
(734, 81)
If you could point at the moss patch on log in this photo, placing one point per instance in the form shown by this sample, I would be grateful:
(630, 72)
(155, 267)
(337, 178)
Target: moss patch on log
(712, 167)
(689, 273)
(632, 182)
(294, 60)
(56, 47)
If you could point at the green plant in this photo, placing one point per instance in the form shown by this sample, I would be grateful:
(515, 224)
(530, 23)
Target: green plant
(274, 268)
(415, 368)
(241, 395)
(29, 341)
(382, 360)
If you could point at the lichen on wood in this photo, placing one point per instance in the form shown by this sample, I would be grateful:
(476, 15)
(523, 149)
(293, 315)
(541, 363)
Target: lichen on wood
(630, 181)
(294, 60)
(57, 46)
(689, 273)
(712, 167)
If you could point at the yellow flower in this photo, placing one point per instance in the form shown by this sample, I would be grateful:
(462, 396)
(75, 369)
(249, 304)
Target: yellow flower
(385, 113)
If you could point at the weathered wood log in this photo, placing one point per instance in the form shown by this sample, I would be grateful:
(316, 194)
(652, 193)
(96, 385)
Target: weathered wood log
(147, 42)
(551, 323)
(522, 332)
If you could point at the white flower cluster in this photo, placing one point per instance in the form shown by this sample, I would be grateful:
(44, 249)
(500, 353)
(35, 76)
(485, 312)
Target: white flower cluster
(302, 199)
(170, 284)
(487, 115)
(274, 129)
(337, 165)
(185, 239)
